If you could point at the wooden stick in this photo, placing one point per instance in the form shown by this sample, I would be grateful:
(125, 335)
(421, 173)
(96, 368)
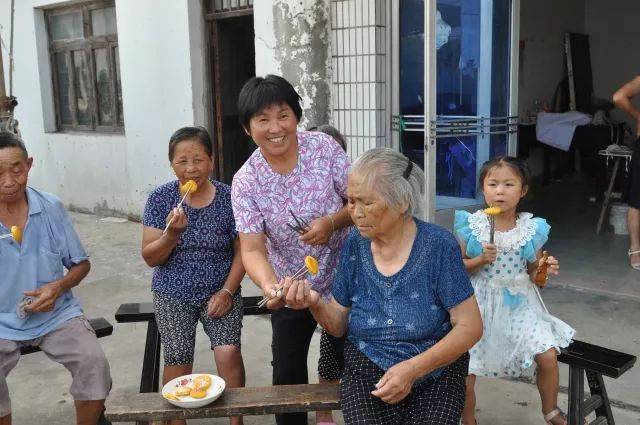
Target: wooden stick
(179, 206)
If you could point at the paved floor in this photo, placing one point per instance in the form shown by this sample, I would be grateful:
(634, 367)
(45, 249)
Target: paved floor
(597, 293)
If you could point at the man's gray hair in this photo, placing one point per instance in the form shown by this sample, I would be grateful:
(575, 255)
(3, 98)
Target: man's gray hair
(383, 171)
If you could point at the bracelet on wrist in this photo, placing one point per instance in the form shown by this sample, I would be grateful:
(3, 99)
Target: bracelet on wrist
(227, 291)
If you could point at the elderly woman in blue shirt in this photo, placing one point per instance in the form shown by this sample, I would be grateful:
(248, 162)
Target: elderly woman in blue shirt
(402, 297)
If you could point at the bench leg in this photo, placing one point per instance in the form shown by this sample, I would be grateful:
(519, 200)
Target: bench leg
(576, 395)
(596, 387)
(150, 377)
(151, 363)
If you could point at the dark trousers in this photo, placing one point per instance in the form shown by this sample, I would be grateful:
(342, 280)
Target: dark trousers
(292, 332)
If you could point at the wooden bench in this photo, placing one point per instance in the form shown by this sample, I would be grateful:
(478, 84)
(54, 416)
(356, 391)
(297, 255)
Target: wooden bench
(234, 401)
(100, 325)
(581, 357)
(143, 312)
(594, 361)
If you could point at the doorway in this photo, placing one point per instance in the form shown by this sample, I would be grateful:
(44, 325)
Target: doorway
(232, 63)
(471, 90)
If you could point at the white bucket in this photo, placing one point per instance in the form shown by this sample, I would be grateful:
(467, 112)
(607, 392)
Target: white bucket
(618, 218)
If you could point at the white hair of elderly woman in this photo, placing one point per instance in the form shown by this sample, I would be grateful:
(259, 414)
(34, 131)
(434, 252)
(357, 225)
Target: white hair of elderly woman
(383, 170)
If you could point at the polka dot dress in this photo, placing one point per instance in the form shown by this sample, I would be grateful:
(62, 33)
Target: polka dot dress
(434, 402)
(516, 325)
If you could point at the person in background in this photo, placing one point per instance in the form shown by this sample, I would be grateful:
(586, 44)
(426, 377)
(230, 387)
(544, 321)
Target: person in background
(333, 132)
(622, 98)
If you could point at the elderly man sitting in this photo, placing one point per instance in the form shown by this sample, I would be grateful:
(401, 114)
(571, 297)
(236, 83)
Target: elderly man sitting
(32, 270)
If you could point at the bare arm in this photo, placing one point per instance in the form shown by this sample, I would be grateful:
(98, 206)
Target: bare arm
(488, 256)
(396, 383)
(237, 271)
(331, 315)
(622, 99)
(156, 246)
(221, 302)
(321, 229)
(253, 248)
(466, 331)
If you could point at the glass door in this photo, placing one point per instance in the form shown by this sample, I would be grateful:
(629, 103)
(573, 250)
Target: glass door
(471, 88)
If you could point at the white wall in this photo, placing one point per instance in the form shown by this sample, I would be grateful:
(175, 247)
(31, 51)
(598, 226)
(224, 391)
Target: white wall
(543, 24)
(161, 52)
(614, 35)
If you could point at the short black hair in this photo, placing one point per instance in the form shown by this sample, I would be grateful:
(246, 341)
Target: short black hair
(190, 133)
(10, 140)
(333, 132)
(517, 165)
(261, 92)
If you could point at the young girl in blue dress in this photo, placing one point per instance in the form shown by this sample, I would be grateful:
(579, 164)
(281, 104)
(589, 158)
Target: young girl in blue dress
(517, 329)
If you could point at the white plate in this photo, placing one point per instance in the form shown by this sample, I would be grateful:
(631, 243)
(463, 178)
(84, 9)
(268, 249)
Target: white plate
(213, 392)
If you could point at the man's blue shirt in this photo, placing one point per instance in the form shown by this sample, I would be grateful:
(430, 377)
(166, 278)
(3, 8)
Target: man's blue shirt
(49, 244)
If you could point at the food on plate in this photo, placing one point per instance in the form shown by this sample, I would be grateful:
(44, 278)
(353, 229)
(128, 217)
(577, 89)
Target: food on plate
(202, 382)
(198, 393)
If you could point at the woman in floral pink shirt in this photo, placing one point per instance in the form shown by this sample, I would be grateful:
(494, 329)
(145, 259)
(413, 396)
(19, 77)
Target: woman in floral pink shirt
(291, 173)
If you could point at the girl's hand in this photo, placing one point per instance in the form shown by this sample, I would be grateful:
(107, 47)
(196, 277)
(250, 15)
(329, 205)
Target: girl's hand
(178, 224)
(396, 383)
(553, 266)
(489, 253)
(318, 232)
(219, 304)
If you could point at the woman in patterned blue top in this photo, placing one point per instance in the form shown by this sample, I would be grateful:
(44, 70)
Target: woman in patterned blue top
(402, 297)
(197, 263)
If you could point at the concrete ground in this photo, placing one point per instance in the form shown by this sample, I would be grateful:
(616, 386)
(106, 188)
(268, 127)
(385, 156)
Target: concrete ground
(597, 293)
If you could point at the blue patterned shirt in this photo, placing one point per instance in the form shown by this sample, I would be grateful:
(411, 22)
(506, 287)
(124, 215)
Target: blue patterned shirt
(395, 318)
(200, 263)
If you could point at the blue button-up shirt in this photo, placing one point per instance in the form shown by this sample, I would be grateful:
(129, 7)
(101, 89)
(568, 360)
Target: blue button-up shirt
(394, 318)
(49, 243)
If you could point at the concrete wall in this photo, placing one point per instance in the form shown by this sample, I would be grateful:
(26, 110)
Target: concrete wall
(614, 34)
(161, 49)
(542, 27)
(293, 40)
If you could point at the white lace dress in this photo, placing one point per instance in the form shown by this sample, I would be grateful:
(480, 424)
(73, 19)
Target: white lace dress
(516, 325)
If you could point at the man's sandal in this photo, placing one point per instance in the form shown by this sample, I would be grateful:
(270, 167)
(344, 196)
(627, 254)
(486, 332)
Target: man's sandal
(635, 266)
(553, 414)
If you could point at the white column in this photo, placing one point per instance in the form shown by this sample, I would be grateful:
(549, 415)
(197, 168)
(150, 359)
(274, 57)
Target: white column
(430, 108)
(483, 147)
(514, 69)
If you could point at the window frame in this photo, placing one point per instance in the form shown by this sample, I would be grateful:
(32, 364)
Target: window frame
(87, 46)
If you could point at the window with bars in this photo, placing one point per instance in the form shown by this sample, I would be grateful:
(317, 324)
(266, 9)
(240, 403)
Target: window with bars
(83, 45)
(220, 6)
